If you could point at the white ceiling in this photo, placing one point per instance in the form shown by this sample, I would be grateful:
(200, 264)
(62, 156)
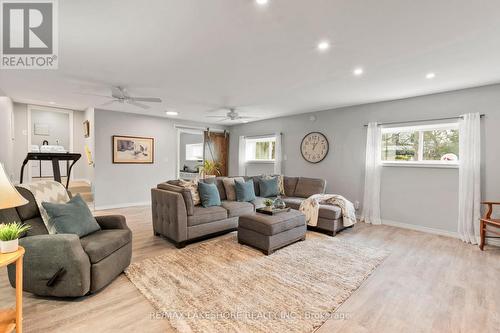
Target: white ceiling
(199, 54)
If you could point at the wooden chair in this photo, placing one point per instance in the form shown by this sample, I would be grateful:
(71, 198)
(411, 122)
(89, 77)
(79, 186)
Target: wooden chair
(488, 221)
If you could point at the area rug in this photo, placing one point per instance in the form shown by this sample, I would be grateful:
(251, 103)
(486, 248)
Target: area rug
(222, 286)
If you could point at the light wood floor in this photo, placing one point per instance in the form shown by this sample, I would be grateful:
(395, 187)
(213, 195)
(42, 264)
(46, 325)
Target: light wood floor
(428, 284)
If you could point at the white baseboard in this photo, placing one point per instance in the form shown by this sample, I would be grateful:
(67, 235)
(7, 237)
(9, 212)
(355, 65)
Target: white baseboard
(123, 205)
(421, 228)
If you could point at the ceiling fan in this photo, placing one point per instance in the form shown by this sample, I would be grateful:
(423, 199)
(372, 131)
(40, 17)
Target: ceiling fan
(120, 95)
(231, 115)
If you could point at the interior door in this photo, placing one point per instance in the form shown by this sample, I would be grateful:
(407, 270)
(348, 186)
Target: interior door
(216, 148)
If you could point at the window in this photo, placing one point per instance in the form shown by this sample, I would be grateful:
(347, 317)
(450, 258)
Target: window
(260, 149)
(194, 152)
(426, 144)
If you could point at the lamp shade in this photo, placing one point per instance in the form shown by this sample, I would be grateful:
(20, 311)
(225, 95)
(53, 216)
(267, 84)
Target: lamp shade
(9, 197)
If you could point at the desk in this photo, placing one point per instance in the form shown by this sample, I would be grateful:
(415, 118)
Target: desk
(12, 319)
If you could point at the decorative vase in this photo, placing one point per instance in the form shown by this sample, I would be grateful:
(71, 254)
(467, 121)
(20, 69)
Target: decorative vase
(278, 203)
(9, 246)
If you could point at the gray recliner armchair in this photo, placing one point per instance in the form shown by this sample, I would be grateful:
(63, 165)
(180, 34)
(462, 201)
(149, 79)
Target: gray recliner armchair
(65, 265)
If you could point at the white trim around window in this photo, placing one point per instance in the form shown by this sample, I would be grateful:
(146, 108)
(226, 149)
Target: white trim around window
(420, 162)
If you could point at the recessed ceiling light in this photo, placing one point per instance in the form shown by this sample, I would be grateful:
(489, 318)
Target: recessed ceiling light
(358, 71)
(430, 75)
(172, 113)
(262, 2)
(52, 103)
(323, 45)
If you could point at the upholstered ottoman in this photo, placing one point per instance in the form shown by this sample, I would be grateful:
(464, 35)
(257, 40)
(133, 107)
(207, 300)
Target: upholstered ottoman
(271, 232)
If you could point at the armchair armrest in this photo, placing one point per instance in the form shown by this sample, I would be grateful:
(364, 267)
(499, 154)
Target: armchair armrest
(112, 222)
(45, 256)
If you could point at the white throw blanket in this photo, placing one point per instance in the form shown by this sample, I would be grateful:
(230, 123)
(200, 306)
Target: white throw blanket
(310, 208)
(47, 191)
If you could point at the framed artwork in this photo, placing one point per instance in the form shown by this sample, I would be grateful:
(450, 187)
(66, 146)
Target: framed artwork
(133, 150)
(86, 128)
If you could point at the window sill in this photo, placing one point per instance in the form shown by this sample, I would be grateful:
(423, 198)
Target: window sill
(420, 165)
(261, 162)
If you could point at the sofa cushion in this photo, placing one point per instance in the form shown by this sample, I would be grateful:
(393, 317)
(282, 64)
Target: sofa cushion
(204, 215)
(73, 217)
(230, 188)
(209, 195)
(192, 186)
(272, 225)
(309, 186)
(235, 208)
(293, 202)
(330, 212)
(245, 191)
(289, 184)
(186, 194)
(269, 186)
(102, 243)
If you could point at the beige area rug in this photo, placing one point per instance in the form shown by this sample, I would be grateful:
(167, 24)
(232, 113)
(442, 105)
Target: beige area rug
(222, 286)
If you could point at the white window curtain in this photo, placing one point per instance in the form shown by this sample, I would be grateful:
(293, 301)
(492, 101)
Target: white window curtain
(278, 168)
(371, 197)
(242, 157)
(469, 178)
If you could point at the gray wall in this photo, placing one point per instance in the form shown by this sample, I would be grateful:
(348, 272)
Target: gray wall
(423, 197)
(185, 139)
(58, 124)
(118, 185)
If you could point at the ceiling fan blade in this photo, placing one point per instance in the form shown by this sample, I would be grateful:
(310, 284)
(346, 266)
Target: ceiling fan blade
(247, 117)
(219, 121)
(215, 116)
(89, 94)
(108, 103)
(143, 106)
(221, 108)
(147, 99)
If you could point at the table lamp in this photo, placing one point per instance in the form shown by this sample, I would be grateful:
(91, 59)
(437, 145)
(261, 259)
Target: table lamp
(9, 196)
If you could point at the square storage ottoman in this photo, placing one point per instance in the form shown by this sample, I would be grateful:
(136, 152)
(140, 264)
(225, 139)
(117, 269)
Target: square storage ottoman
(271, 232)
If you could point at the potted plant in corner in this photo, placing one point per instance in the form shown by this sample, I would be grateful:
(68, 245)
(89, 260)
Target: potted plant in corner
(9, 236)
(210, 169)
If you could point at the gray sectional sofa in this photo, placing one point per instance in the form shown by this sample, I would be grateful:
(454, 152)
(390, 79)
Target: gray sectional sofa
(180, 221)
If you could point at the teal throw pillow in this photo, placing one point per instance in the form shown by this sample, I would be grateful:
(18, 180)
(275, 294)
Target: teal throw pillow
(73, 217)
(269, 187)
(244, 191)
(209, 194)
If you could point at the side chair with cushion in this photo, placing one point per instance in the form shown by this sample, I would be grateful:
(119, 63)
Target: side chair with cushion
(64, 265)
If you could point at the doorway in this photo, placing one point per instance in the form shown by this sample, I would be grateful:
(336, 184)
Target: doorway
(189, 153)
(49, 130)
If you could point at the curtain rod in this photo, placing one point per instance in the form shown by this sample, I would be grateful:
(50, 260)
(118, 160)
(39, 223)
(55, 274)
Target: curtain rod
(422, 120)
(261, 136)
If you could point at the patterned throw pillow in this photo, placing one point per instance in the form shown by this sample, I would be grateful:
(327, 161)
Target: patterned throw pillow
(47, 191)
(192, 186)
(230, 187)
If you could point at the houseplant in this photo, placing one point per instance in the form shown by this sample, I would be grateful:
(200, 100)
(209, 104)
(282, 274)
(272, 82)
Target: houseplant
(9, 236)
(210, 169)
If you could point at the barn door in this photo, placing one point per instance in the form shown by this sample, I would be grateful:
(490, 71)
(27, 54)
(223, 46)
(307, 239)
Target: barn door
(216, 149)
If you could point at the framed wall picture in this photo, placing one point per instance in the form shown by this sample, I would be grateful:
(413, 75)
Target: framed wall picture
(86, 128)
(133, 150)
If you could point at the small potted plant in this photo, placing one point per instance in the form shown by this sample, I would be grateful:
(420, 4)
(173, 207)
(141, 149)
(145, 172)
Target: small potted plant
(268, 203)
(210, 169)
(9, 236)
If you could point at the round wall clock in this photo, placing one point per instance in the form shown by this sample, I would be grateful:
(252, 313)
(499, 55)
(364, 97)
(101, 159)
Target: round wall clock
(314, 147)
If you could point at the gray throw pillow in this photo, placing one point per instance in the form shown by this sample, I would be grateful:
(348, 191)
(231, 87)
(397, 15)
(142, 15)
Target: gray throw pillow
(73, 217)
(269, 187)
